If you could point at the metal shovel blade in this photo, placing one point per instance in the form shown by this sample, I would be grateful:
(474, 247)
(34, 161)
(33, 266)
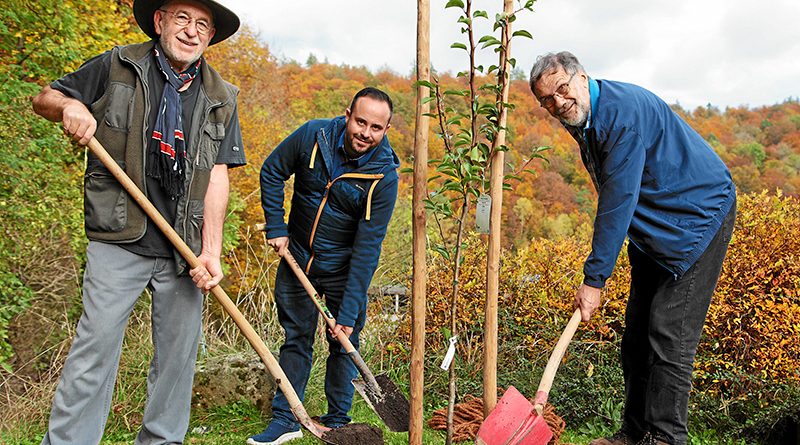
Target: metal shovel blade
(386, 400)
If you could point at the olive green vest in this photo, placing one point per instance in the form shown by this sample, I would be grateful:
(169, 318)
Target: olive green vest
(112, 216)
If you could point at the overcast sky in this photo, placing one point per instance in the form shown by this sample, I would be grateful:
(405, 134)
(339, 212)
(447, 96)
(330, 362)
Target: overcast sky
(693, 52)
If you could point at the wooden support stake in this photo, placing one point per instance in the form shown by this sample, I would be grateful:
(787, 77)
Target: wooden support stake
(495, 234)
(420, 269)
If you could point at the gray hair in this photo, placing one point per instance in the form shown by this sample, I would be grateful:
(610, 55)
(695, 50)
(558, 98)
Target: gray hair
(550, 62)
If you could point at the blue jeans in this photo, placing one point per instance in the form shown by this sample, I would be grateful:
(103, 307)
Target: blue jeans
(298, 317)
(663, 323)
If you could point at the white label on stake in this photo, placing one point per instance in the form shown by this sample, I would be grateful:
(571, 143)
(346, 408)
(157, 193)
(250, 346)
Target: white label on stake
(484, 208)
(451, 351)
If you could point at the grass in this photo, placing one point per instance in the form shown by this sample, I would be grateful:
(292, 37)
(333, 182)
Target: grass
(230, 424)
(23, 416)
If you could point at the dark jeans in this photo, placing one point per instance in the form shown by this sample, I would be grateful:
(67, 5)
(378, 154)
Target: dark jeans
(663, 323)
(298, 317)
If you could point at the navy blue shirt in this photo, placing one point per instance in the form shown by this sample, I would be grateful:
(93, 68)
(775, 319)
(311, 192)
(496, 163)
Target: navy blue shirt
(342, 163)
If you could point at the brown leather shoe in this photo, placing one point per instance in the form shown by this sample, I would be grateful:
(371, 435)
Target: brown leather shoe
(619, 438)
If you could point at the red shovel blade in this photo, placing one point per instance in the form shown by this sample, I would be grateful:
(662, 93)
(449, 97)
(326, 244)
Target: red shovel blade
(513, 422)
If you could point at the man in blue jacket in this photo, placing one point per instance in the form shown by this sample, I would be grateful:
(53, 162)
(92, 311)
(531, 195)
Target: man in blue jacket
(662, 185)
(345, 187)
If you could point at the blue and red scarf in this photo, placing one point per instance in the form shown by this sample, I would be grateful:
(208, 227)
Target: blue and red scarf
(166, 152)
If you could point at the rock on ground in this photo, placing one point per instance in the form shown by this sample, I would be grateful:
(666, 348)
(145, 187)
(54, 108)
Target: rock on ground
(222, 380)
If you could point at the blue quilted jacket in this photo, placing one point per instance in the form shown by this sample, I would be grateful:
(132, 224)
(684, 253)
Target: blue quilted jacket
(336, 224)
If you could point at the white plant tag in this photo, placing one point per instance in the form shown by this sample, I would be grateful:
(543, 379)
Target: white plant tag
(482, 211)
(451, 351)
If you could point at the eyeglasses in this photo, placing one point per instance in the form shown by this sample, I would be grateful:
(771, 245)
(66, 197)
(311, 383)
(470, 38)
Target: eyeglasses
(561, 91)
(182, 19)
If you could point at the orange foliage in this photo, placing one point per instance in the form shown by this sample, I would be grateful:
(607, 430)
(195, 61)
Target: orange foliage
(753, 326)
(752, 332)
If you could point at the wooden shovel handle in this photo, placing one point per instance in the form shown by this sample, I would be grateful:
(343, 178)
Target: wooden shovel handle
(326, 314)
(555, 359)
(220, 295)
(343, 339)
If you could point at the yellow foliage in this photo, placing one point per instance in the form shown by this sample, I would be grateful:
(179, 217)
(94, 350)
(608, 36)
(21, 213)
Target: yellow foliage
(753, 326)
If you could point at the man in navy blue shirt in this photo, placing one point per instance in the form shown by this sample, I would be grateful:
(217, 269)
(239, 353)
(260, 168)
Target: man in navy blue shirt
(662, 186)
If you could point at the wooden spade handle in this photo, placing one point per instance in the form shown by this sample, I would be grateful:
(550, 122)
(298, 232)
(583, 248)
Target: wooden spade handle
(555, 359)
(220, 295)
(343, 339)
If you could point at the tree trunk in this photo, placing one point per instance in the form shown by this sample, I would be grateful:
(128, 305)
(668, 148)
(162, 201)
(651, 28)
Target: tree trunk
(451, 402)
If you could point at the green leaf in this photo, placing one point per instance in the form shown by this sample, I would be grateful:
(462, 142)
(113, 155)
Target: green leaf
(494, 42)
(459, 45)
(446, 333)
(428, 99)
(442, 251)
(522, 33)
(425, 83)
(455, 4)
(475, 154)
(480, 14)
(407, 170)
(462, 93)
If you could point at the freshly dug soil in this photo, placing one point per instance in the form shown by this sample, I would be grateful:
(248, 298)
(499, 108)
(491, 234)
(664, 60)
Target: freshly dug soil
(392, 407)
(354, 434)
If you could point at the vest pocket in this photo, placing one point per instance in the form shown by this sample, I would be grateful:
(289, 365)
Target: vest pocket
(194, 226)
(105, 203)
(120, 102)
(210, 140)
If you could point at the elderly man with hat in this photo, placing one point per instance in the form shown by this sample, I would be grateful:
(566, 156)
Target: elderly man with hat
(171, 122)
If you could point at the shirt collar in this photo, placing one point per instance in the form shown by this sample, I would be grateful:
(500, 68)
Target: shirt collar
(594, 93)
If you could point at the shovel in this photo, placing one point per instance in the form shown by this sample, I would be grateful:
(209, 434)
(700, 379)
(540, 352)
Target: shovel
(220, 295)
(515, 421)
(381, 394)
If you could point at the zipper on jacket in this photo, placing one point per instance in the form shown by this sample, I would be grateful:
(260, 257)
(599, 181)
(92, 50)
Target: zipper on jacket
(375, 176)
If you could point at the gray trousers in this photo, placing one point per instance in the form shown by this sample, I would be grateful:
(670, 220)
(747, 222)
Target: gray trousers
(113, 282)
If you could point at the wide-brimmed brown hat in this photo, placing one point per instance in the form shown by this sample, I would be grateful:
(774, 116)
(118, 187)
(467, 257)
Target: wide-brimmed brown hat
(225, 21)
